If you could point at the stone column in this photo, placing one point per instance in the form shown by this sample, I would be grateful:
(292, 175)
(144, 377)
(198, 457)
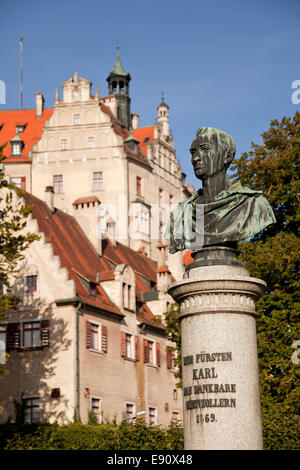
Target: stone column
(221, 397)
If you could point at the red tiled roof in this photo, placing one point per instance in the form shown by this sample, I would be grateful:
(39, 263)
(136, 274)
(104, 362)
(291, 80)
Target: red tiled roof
(84, 200)
(75, 251)
(79, 257)
(144, 133)
(32, 133)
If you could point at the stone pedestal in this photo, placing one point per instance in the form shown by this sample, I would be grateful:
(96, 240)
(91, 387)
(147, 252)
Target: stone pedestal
(221, 396)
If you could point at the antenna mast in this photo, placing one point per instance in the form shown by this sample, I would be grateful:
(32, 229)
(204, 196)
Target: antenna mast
(21, 72)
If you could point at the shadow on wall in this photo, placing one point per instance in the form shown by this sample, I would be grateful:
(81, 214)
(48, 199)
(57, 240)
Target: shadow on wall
(32, 368)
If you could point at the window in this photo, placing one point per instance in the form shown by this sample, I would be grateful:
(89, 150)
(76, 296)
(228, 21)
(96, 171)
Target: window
(151, 353)
(58, 184)
(175, 416)
(171, 201)
(28, 334)
(127, 296)
(170, 357)
(152, 415)
(76, 118)
(161, 197)
(96, 403)
(31, 334)
(91, 142)
(2, 344)
(16, 148)
(20, 128)
(64, 144)
(129, 346)
(130, 409)
(19, 181)
(96, 337)
(32, 411)
(139, 189)
(30, 283)
(98, 181)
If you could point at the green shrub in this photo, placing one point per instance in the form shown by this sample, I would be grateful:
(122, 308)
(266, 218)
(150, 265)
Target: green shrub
(79, 436)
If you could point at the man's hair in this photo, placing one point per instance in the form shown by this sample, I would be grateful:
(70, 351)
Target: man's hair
(224, 141)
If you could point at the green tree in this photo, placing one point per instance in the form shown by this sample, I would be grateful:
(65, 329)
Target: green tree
(273, 255)
(13, 240)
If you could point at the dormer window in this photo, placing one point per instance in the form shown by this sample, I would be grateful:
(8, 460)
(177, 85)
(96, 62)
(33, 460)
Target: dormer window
(20, 128)
(17, 145)
(16, 148)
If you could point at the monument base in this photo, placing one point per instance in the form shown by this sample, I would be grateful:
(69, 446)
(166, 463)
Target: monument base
(221, 396)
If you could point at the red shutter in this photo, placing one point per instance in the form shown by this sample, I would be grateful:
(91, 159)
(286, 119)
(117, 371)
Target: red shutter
(146, 351)
(23, 183)
(158, 354)
(123, 344)
(45, 332)
(104, 339)
(88, 338)
(137, 348)
(169, 359)
(13, 337)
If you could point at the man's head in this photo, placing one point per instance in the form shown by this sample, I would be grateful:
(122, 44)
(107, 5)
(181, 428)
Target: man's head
(212, 151)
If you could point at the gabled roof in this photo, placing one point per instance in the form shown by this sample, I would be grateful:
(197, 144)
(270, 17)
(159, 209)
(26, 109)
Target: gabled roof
(75, 251)
(83, 263)
(10, 119)
(144, 135)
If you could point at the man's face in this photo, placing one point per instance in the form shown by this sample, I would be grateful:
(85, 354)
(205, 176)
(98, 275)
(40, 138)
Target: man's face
(202, 157)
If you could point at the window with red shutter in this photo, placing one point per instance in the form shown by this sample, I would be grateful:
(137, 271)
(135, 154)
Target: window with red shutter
(169, 359)
(13, 336)
(158, 354)
(88, 338)
(104, 339)
(45, 333)
(146, 351)
(123, 344)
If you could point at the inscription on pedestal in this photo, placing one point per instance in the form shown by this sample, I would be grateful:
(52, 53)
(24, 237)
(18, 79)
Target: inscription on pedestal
(202, 373)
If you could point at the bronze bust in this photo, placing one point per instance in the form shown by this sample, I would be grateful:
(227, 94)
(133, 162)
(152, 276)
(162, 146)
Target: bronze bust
(220, 213)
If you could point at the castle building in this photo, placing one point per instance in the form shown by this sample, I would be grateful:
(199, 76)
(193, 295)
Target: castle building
(82, 342)
(116, 178)
(83, 339)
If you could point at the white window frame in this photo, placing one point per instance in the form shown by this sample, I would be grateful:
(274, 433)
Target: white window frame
(99, 414)
(99, 326)
(151, 407)
(77, 119)
(16, 148)
(134, 411)
(91, 142)
(58, 186)
(64, 144)
(34, 292)
(131, 346)
(98, 182)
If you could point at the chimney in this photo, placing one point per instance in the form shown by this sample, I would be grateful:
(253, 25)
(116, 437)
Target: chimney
(49, 198)
(134, 121)
(163, 274)
(39, 103)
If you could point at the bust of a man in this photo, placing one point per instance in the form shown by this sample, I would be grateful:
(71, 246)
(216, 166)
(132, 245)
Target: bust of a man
(220, 213)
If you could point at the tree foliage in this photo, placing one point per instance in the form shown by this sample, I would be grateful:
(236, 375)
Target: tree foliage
(13, 240)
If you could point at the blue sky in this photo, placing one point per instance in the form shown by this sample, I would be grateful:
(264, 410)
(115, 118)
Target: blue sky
(227, 64)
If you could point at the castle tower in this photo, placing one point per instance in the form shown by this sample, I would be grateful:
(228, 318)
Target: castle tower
(118, 84)
(163, 118)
